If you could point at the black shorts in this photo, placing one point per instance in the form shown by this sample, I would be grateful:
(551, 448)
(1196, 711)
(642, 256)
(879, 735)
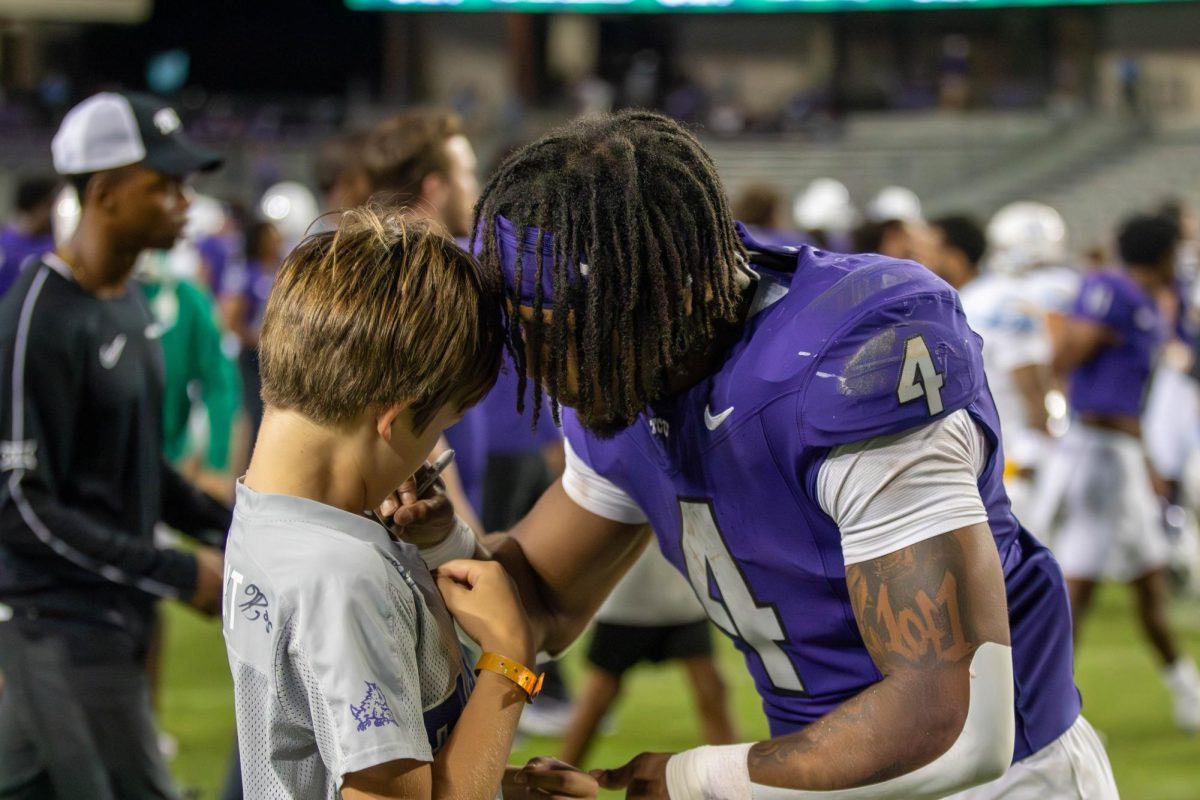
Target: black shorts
(616, 648)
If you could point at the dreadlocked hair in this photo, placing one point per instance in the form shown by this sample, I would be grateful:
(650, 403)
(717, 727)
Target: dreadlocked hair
(635, 202)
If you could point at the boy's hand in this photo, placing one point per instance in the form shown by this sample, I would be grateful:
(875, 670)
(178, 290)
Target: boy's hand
(643, 778)
(424, 521)
(484, 600)
(549, 777)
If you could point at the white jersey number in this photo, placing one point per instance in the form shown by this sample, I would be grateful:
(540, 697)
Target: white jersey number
(918, 377)
(737, 612)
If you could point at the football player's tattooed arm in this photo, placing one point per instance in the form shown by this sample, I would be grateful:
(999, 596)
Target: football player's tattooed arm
(923, 612)
(565, 561)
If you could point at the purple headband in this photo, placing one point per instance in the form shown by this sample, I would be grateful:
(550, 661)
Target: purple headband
(509, 244)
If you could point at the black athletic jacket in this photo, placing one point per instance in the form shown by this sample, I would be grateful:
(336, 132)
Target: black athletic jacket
(82, 476)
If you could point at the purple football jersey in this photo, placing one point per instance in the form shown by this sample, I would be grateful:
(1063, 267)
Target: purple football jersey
(777, 237)
(1114, 381)
(495, 428)
(859, 346)
(16, 250)
(509, 433)
(219, 252)
(469, 439)
(252, 281)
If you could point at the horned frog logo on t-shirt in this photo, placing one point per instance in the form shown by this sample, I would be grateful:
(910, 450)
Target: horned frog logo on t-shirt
(373, 711)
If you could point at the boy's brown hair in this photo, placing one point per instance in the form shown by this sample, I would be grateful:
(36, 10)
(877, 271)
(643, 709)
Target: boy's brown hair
(401, 150)
(380, 311)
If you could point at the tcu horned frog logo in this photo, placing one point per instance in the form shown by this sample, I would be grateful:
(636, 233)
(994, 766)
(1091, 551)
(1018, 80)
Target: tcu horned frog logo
(373, 711)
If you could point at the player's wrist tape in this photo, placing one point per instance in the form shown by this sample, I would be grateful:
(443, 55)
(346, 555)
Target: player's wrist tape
(710, 772)
(459, 544)
(529, 681)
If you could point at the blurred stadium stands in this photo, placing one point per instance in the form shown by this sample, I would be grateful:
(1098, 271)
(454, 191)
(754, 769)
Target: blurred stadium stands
(1131, 176)
(1093, 168)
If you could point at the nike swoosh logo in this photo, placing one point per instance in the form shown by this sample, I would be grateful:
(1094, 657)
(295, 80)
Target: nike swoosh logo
(110, 354)
(711, 422)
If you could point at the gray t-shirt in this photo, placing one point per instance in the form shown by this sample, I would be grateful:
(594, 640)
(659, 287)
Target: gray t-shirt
(342, 652)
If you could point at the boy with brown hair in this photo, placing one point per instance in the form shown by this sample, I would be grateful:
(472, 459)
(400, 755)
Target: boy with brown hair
(348, 678)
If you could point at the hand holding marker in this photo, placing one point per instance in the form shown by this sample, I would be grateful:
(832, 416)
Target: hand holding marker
(434, 472)
(395, 501)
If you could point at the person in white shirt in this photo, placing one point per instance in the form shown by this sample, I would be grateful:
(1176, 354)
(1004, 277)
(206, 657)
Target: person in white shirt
(1016, 346)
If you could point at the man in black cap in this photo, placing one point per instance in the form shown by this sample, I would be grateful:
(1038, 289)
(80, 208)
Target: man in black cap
(82, 477)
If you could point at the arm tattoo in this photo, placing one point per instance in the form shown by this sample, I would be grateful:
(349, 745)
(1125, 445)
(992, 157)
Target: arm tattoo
(922, 612)
(909, 607)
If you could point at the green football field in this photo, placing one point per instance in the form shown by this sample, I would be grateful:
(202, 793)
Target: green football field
(1122, 696)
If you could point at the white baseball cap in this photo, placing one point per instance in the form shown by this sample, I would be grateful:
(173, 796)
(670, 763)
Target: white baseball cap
(116, 129)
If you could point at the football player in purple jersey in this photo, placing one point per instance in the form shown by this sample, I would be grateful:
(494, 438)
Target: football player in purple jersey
(29, 234)
(811, 438)
(1098, 493)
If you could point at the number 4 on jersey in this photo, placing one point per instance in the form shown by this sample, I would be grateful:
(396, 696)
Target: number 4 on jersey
(918, 377)
(737, 612)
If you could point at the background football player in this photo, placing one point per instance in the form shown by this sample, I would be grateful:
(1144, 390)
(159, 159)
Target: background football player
(1098, 492)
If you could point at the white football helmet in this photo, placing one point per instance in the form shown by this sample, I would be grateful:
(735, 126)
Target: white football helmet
(824, 206)
(292, 207)
(1025, 235)
(205, 217)
(895, 202)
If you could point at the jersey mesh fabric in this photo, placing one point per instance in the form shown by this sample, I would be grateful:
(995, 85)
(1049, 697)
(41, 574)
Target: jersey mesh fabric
(359, 665)
(263, 732)
(274, 730)
(438, 669)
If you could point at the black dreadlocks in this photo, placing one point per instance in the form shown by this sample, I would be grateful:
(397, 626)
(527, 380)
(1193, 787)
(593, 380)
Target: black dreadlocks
(636, 198)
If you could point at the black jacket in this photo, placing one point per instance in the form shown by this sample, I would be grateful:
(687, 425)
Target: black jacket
(82, 477)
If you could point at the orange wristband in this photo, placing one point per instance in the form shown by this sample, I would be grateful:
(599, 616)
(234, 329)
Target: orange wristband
(518, 673)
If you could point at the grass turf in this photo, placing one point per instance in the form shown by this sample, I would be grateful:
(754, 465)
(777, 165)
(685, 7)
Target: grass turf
(1122, 696)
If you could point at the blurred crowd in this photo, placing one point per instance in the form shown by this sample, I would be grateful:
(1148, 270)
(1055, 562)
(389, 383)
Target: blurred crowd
(1019, 278)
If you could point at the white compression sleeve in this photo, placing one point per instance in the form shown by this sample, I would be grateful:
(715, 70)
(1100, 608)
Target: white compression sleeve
(982, 752)
(459, 544)
(710, 773)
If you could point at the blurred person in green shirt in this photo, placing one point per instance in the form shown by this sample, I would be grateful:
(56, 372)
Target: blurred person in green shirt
(196, 368)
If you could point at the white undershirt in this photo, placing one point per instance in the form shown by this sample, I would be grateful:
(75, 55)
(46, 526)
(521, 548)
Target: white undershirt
(884, 494)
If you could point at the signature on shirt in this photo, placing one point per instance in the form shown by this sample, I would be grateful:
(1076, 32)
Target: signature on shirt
(250, 608)
(373, 711)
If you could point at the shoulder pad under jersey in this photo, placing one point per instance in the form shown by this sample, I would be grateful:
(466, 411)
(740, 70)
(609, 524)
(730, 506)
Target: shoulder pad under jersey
(899, 354)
